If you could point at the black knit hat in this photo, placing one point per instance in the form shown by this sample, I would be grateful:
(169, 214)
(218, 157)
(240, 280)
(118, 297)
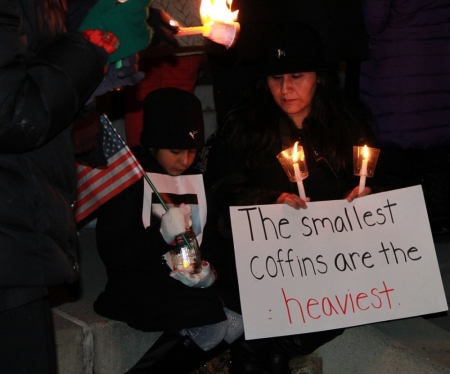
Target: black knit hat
(173, 119)
(291, 47)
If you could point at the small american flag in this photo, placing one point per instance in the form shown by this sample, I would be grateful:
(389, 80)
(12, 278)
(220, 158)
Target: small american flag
(95, 186)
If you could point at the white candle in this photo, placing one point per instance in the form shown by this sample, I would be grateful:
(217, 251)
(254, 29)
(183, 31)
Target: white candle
(298, 178)
(195, 30)
(219, 32)
(297, 173)
(363, 173)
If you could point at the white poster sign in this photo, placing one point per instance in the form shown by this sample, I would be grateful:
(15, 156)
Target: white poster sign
(335, 264)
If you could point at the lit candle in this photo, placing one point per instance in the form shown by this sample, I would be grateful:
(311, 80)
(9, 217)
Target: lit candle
(219, 32)
(194, 30)
(186, 259)
(219, 23)
(363, 173)
(298, 173)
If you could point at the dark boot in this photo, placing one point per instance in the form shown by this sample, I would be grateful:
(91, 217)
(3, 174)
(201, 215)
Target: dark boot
(164, 345)
(282, 349)
(174, 354)
(222, 347)
(249, 356)
(278, 364)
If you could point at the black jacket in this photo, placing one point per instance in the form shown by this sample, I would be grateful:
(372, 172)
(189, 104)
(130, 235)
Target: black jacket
(140, 290)
(46, 76)
(232, 183)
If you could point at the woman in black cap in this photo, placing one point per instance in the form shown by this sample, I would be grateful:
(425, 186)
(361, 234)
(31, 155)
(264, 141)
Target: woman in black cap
(134, 234)
(295, 101)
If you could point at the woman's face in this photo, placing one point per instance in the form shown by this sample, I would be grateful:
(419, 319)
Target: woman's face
(175, 161)
(293, 93)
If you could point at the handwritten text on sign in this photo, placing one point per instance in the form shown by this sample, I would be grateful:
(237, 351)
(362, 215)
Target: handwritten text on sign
(335, 264)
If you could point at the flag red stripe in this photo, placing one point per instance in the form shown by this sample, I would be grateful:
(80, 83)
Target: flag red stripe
(82, 171)
(96, 186)
(86, 209)
(119, 177)
(92, 176)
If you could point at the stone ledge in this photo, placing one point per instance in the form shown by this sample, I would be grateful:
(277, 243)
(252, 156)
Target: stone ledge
(409, 346)
(88, 343)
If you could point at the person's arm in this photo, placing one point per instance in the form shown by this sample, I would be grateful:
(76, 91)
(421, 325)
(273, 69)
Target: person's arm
(376, 15)
(40, 95)
(122, 241)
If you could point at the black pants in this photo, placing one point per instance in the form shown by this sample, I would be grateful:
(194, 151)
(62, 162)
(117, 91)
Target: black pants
(27, 339)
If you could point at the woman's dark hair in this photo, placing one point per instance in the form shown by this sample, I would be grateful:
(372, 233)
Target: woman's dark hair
(331, 127)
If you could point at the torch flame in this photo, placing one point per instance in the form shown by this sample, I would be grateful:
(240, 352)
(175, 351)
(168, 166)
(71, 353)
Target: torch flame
(295, 153)
(217, 11)
(365, 152)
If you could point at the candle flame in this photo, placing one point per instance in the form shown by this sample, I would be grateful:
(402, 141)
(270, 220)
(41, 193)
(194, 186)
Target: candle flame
(295, 153)
(365, 152)
(217, 11)
(185, 257)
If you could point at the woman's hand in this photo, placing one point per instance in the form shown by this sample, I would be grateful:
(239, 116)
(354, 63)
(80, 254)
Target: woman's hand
(292, 200)
(355, 193)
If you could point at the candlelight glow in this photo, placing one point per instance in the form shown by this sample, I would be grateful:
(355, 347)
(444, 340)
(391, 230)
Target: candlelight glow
(294, 153)
(364, 163)
(219, 23)
(295, 169)
(217, 11)
(365, 152)
(363, 172)
(186, 260)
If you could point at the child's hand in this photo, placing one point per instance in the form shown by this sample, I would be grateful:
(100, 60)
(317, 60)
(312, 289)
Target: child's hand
(199, 280)
(126, 75)
(175, 222)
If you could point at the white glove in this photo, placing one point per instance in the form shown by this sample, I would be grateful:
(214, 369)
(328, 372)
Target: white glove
(200, 280)
(175, 222)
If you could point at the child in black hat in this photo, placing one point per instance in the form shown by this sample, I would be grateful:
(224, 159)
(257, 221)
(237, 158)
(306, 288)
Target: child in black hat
(135, 233)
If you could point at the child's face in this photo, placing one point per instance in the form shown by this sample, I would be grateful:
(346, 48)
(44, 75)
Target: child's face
(175, 161)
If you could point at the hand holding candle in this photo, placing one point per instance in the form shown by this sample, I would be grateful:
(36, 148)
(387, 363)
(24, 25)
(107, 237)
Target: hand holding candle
(364, 163)
(218, 23)
(293, 162)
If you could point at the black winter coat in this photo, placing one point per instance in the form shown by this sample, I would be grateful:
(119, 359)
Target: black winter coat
(46, 76)
(140, 290)
(232, 183)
